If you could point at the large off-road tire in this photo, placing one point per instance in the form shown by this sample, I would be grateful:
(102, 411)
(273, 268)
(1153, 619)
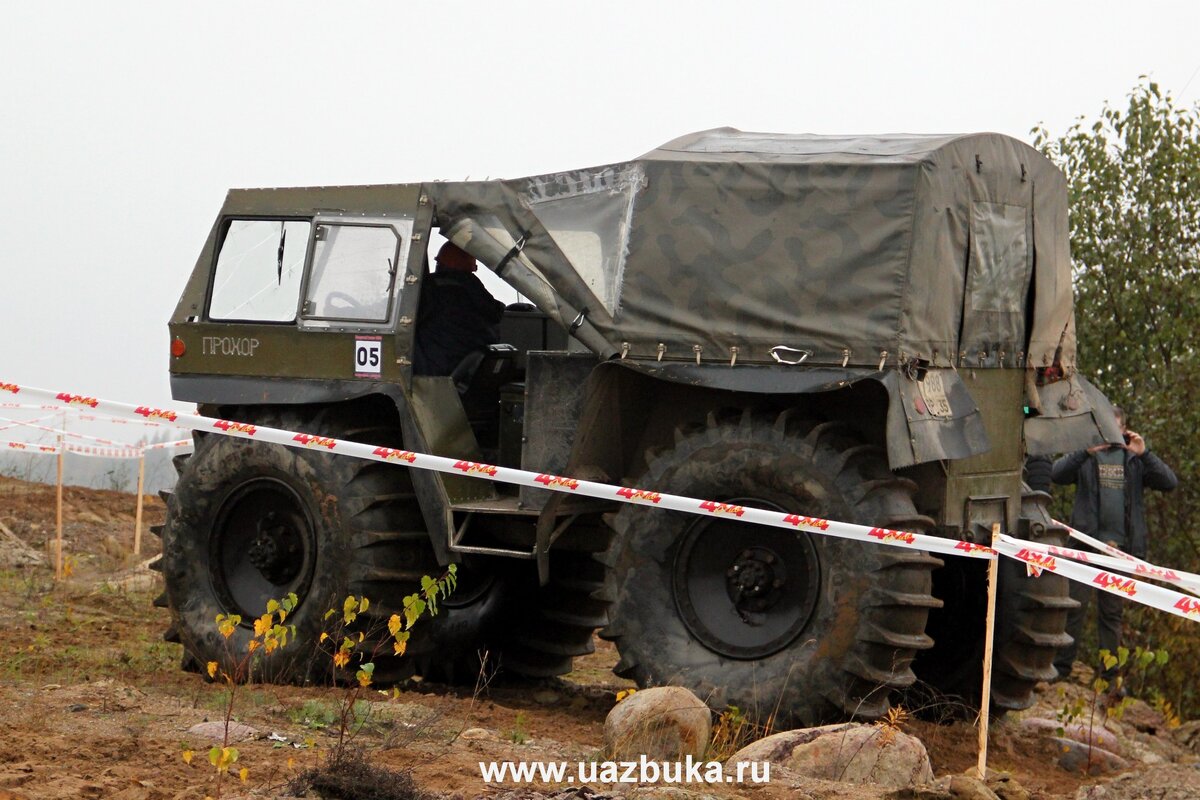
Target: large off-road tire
(1031, 622)
(799, 627)
(548, 626)
(251, 521)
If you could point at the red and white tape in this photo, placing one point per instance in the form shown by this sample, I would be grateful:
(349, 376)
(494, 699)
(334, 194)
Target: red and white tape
(623, 494)
(125, 451)
(1036, 556)
(1114, 559)
(104, 452)
(1032, 554)
(28, 447)
(177, 445)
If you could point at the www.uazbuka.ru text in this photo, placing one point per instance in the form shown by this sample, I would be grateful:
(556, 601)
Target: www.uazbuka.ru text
(641, 771)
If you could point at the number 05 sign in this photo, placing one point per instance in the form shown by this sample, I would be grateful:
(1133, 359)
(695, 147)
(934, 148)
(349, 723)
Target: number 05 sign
(368, 356)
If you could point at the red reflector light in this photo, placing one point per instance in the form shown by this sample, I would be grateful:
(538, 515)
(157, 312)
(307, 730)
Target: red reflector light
(178, 348)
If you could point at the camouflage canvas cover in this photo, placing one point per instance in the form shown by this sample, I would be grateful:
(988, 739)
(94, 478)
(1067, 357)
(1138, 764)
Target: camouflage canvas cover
(856, 250)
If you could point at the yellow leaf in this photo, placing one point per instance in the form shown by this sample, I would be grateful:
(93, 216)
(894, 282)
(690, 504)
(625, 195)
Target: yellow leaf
(291, 762)
(621, 695)
(212, 669)
(341, 658)
(243, 773)
(253, 645)
(394, 624)
(324, 636)
(400, 647)
(187, 756)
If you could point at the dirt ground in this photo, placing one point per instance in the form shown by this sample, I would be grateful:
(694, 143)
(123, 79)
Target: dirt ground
(93, 703)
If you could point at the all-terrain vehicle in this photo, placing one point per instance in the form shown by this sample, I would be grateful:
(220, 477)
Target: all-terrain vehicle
(875, 330)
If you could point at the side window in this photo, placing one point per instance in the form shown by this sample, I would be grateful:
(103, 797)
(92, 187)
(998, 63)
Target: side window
(259, 269)
(353, 269)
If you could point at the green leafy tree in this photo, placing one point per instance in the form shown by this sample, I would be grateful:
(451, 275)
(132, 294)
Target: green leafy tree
(1134, 177)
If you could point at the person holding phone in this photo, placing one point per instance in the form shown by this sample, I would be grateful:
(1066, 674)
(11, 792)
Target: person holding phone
(1109, 482)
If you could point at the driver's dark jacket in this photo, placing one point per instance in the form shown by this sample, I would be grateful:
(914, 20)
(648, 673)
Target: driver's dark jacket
(1144, 471)
(457, 316)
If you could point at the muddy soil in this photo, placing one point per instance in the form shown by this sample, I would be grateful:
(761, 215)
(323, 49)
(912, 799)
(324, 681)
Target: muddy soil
(93, 703)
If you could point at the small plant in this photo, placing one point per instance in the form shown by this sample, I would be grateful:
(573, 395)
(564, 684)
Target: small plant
(344, 641)
(270, 634)
(732, 732)
(1111, 693)
(519, 734)
(314, 714)
(891, 724)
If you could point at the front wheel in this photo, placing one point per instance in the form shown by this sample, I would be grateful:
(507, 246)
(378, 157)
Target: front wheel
(250, 522)
(783, 624)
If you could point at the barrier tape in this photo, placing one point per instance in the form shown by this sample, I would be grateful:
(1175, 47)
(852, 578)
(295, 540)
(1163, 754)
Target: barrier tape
(16, 424)
(103, 452)
(71, 434)
(1031, 553)
(177, 445)
(126, 451)
(1123, 562)
(603, 491)
(28, 447)
(1035, 555)
(86, 417)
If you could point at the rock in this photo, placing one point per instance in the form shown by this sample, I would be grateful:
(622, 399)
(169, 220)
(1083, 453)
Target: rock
(545, 697)
(1077, 757)
(215, 731)
(1076, 731)
(1006, 787)
(665, 723)
(1141, 716)
(477, 734)
(1188, 735)
(851, 752)
(667, 793)
(965, 787)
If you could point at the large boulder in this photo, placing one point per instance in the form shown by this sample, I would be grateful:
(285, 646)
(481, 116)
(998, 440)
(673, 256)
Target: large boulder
(1093, 734)
(849, 752)
(665, 723)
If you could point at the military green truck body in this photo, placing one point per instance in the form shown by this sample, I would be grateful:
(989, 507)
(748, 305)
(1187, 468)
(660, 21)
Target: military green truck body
(876, 329)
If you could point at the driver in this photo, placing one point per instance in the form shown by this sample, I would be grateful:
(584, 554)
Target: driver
(457, 315)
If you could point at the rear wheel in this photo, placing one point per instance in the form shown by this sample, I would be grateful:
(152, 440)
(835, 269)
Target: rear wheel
(1031, 622)
(252, 521)
(803, 628)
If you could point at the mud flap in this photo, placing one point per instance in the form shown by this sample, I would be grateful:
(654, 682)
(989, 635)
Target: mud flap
(1074, 414)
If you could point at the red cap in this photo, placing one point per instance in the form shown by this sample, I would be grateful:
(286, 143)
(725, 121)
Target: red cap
(453, 258)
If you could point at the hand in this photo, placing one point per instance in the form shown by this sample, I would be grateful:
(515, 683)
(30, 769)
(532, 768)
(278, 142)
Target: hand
(1136, 444)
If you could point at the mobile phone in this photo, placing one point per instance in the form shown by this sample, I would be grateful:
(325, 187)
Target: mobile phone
(1128, 438)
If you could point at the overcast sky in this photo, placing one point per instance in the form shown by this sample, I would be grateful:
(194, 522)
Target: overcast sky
(123, 124)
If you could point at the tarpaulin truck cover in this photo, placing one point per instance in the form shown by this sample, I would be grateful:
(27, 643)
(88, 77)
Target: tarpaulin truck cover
(917, 246)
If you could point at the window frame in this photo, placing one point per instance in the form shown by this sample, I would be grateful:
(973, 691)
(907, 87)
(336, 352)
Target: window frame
(226, 223)
(402, 228)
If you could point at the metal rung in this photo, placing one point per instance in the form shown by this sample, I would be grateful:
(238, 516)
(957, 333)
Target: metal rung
(456, 545)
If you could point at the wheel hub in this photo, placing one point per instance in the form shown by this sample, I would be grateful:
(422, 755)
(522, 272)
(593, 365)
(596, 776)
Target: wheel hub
(754, 581)
(262, 547)
(276, 552)
(745, 591)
